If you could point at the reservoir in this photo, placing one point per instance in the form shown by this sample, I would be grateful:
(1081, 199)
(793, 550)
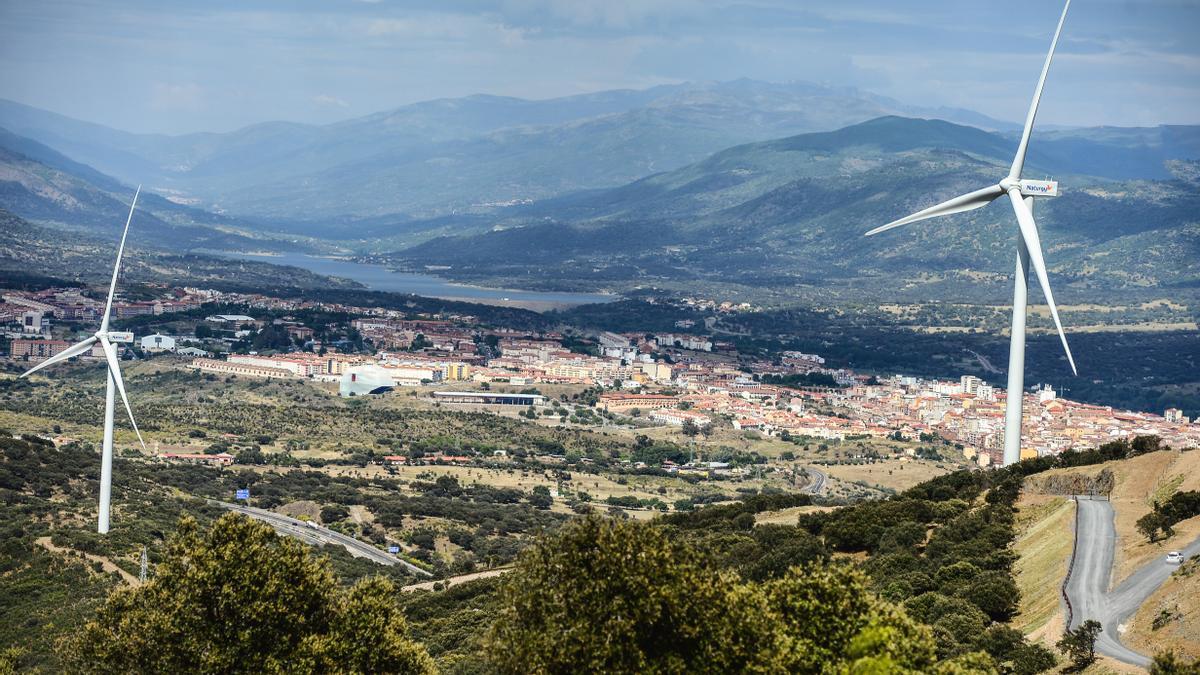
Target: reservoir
(380, 278)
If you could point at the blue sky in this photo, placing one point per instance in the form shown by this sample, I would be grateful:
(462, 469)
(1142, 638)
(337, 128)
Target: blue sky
(214, 65)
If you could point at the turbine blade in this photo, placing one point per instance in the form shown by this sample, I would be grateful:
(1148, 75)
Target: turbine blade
(967, 202)
(74, 350)
(112, 288)
(1033, 243)
(1019, 160)
(114, 371)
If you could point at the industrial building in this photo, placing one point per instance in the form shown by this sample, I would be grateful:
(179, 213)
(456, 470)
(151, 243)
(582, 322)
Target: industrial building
(488, 398)
(368, 379)
(158, 343)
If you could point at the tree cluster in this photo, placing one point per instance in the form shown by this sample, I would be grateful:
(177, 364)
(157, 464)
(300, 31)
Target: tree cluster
(239, 598)
(1180, 506)
(625, 597)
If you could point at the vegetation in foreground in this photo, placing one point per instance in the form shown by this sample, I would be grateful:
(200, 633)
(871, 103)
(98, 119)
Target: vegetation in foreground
(241, 598)
(610, 596)
(918, 583)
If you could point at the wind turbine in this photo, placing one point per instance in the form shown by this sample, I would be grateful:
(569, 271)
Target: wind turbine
(1020, 192)
(106, 339)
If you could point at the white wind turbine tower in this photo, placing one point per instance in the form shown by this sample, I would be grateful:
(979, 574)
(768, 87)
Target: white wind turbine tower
(1029, 250)
(106, 339)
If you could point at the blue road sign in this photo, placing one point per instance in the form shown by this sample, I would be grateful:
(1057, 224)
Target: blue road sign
(393, 549)
(244, 494)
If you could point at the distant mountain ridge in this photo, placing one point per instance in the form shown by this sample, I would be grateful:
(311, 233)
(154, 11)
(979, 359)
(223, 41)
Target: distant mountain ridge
(793, 211)
(477, 156)
(40, 184)
(451, 155)
(530, 194)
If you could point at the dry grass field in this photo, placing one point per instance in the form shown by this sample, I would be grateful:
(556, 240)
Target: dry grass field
(1174, 605)
(1152, 327)
(896, 474)
(1105, 666)
(599, 487)
(786, 516)
(1043, 544)
(123, 436)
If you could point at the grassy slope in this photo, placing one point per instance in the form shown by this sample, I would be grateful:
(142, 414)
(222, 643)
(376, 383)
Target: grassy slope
(1106, 666)
(1044, 535)
(786, 516)
(1177, 599)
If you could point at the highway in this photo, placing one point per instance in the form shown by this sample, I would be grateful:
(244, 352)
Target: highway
(313, 534)
(816, 481)
(1096, 540)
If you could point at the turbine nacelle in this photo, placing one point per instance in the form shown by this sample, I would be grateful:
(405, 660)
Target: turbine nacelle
(1030, 187)
(1038, 188)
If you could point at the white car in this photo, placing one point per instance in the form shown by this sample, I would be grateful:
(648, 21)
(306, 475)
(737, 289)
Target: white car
(1174, 558)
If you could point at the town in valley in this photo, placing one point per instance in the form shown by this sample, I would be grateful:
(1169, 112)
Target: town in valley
(684, 383)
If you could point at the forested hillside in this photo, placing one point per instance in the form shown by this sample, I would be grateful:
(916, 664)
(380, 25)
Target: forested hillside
(791, 213)
(931, 588)
(40, 184)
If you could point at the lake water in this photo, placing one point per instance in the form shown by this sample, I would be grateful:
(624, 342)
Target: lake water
(380, 278)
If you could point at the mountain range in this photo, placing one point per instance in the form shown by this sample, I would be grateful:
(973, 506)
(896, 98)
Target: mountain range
(456, 155)
(40, 184)
(624, 189)
(792, 212)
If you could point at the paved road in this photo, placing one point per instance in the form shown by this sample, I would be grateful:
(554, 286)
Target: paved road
(983, 362)
(312, 534)
(1096, 540)
(816, 481)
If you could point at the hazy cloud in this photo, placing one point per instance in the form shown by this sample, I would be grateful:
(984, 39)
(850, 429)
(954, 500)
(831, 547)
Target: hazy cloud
(606, 13)
(175, 97)
(219, 64)
(326, 99)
